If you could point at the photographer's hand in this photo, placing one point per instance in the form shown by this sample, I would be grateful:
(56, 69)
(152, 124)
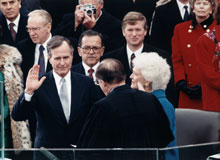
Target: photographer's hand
(79, 16)
(89, 22)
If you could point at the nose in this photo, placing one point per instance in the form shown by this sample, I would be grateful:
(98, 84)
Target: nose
(134, 33)
(91, 51)
(62, 61)
(8, 6)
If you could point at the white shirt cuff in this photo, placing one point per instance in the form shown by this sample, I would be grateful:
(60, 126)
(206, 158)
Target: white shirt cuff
(28, 97)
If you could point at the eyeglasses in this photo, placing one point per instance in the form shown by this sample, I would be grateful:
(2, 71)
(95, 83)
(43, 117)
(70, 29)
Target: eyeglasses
(87, 49)
(34, 29)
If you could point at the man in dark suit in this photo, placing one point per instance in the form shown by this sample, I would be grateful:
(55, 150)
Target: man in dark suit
(90, 48)
(101, 21)
(134, 29)
(125, 118)
(61, 99)
(13, 22)
(39, 29)
(163, 23)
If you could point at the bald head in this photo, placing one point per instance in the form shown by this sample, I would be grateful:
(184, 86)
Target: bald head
(111, 71)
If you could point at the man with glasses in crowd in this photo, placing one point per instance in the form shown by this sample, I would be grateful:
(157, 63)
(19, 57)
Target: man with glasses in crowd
(34, 50)
(12, 22)
(90, 48)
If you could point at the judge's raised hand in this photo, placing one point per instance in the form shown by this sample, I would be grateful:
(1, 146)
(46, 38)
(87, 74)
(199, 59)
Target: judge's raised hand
(33, 82)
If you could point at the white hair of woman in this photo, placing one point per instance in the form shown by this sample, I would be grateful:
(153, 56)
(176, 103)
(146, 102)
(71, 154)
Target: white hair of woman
(154, 69)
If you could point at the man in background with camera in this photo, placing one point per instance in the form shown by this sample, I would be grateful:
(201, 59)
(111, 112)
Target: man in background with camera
(89, 14)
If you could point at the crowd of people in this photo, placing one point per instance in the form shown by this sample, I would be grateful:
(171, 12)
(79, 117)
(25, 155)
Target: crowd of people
(94, 79)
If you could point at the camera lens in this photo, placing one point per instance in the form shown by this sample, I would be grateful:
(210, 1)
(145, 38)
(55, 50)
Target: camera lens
(89, 12)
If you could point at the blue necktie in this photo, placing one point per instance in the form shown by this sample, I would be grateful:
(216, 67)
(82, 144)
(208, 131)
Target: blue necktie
(185, 18)
(41, 61)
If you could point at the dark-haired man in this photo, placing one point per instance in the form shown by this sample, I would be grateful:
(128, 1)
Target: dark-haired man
(13, 22)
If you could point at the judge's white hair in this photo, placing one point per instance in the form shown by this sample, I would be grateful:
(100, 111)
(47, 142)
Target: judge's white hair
(154, 68)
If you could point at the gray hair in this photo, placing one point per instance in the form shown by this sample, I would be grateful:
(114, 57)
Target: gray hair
(42, 13)
(154, 69)
(57, 41)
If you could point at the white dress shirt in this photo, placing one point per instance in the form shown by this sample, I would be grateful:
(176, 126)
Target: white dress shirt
(37, 52)
(86, 68)
(16, 22)
(182, 9)
(136, 53)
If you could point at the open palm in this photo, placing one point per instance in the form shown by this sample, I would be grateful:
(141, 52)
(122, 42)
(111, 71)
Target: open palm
(33, 82)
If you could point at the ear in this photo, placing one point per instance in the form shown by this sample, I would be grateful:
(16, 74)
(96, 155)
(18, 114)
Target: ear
(123, 32)
(147, 84)
(79, 51)
(103, 49)
(102, 4)
(145, 33)
(49, 27)
(49, 59)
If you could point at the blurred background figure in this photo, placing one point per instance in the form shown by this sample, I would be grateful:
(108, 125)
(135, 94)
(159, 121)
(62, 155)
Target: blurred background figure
(17, 134)
(208, 59)
(151, 73)
(167, 14)
(73, 24)
(31, 5)
(13, 22)
(119, 8)
(186, 73)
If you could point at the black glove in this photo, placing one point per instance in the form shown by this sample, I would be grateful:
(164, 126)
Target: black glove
(196, 92)
(193, 92)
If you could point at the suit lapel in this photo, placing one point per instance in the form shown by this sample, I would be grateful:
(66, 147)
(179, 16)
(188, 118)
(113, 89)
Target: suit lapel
(74, 93)
(21, 33)
(81, 69)
(175, 9)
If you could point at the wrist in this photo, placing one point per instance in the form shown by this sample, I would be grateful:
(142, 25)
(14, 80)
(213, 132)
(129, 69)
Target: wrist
(29, 91)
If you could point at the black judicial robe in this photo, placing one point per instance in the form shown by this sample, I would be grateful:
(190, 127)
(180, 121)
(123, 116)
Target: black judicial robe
(126, 118)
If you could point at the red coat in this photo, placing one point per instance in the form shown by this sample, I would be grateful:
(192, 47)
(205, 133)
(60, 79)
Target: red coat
(183, 57)
(210, 76)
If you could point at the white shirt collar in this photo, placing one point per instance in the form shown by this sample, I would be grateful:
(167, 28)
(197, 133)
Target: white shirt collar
(86, 68)
(181, 9)
(99, 16)
(58, 79)
(137, 52)
(45, 43)
(16, 22)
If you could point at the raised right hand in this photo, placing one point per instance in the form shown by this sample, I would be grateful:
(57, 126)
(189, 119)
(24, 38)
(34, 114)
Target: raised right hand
(33, 82)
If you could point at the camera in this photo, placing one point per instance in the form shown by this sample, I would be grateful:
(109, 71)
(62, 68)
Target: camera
(89, 9)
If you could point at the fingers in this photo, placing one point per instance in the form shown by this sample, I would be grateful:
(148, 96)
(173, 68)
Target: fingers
(78, 6)
(42, 80)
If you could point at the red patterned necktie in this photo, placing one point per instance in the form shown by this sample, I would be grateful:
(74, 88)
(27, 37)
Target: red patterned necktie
(13, 33)
(91, 72)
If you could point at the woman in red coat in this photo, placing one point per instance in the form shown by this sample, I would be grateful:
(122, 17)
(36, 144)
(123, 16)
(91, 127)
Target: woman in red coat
(186, 72)
(208, 59)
